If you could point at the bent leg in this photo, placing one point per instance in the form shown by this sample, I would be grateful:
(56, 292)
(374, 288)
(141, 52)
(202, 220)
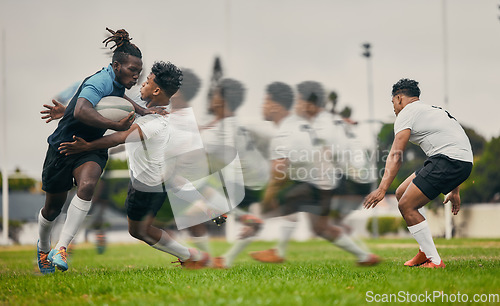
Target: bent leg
(46, 218)
(411, 201)
(157, 238)
(336, 235)
(86, 177)
(404, 185)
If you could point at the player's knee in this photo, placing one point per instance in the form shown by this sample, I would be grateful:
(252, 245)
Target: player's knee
(86, 188)
(403, 206)
(399, 193)
(136, 233)
(51, 213)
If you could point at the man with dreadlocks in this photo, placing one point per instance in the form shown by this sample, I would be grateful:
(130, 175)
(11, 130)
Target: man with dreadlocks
(82, 120)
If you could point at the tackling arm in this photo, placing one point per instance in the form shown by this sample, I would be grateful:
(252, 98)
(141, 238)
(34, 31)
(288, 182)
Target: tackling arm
(80, 145)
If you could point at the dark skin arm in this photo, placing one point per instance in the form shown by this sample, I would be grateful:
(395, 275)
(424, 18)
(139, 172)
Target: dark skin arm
(109, 141)
(57, 110)
(278, 178)
(392, 166)
(53, 112)
(454, 198)
(85, 112)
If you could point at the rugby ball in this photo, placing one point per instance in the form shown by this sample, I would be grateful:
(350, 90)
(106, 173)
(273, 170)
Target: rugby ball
(114, 108)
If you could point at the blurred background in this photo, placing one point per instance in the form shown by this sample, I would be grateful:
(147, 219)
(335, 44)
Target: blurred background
(356, 49)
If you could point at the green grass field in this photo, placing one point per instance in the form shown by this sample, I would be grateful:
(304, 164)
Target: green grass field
(315, 273)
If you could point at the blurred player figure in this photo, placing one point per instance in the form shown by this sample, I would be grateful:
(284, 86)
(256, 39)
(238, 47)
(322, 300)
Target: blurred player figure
(81, 119)
(147, 142)
(449, 163)
(225, 132)
(302, 175)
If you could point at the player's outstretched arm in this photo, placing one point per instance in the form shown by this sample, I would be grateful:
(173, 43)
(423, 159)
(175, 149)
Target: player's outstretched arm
(53, 112)
(79, 145)
(85, 112)
(392, 165)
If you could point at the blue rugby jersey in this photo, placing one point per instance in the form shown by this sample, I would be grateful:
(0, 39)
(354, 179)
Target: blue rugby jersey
(93, 88)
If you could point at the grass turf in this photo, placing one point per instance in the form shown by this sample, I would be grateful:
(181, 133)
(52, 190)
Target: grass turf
(315, 273)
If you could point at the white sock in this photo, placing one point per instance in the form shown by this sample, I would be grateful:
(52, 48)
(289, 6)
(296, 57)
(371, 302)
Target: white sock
(346, 243)
(77, 211)
(422, 233)
(422, 211)
(287, 229)
(168, 245)
(202, 243)
(44, 231)
(236, 249)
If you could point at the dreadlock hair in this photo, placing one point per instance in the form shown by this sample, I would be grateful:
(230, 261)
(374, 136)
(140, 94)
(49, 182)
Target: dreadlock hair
(280, 93)
(312, 92)
(167, 76)
(123, 46)
(190, 84)
(406, 87)
(232, 92)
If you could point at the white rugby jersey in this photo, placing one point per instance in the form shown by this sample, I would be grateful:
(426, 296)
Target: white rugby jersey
(299, 142)
(434, 130)
(229, 133)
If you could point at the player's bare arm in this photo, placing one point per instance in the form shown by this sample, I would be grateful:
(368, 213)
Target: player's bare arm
(392, 165)
(277, 179)
(85, 112)
(79, 145)
(53, 112)
(454, 198)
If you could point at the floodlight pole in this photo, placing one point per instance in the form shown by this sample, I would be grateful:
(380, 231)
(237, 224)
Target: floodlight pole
(371, 114)
(448, 223)
(5, 175)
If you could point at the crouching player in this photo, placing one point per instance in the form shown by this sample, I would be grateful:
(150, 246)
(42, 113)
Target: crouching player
(449, 163)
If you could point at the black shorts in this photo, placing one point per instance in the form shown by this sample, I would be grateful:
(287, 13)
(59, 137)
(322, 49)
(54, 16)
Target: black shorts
(57, 174)
(304, 197)
(441, 174)
(251, 196)
(140, 204)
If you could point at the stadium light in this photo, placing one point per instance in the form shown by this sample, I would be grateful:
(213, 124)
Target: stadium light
(368, 55)
(5, 175)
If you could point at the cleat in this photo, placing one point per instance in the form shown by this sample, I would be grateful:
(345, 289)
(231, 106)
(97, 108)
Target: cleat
(190, 264)
(430, 264)
(219, 263)
(59, 258)
(269, 256)
(419, 259)
(44, 264)
(250, 220)
(252, 225)
(372, 260)
(101, 242)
